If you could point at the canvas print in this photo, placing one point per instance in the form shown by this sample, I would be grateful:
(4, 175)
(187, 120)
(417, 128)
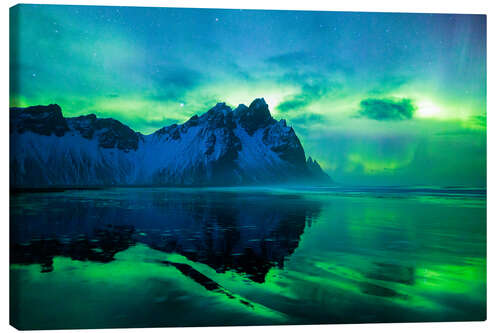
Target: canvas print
(210, 167)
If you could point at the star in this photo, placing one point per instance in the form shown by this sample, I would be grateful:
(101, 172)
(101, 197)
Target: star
(216, 19)
(34, 74)
(181, 105)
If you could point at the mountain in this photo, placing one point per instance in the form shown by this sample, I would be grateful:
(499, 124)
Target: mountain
(244, 146)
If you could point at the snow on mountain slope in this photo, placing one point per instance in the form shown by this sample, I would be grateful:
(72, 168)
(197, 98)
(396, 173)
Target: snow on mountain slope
(221, 147)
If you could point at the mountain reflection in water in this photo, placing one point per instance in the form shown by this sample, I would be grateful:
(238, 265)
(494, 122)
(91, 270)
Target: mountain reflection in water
(227, 231)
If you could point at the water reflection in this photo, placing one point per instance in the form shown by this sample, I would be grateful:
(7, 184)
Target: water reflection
(247, 234)
(101, 247)
(153, 257)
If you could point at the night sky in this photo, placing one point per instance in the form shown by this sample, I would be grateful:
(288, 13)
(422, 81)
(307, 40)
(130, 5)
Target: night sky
(377, 99)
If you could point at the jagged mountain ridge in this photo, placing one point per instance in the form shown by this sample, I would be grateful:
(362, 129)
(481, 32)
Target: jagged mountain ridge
(244, 146)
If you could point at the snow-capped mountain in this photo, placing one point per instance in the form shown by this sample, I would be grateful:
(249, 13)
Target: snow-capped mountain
(222, 147)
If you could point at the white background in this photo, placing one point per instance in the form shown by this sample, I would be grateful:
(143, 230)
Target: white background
(491, 8)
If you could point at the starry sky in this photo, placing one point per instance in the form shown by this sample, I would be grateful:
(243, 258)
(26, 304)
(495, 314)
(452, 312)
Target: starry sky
(376, 98)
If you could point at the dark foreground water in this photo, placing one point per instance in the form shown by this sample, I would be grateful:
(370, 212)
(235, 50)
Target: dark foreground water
(246, 256)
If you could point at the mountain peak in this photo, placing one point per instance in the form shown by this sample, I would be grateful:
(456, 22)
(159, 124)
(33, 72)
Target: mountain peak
(220, 147)
(259, 103)
(316, 171)
(220, 106)
(240, 108)
(255, 116)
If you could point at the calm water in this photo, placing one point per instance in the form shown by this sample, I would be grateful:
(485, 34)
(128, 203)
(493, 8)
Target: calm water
(246, 256)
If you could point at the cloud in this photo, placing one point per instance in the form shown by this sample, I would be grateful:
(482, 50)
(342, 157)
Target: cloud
(296, 102)
(312, 90)
(305, 119)
(387, 109)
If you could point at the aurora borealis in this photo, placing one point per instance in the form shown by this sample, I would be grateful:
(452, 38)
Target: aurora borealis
(377, 99)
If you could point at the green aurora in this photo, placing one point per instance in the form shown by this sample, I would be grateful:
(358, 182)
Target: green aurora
(377, 99)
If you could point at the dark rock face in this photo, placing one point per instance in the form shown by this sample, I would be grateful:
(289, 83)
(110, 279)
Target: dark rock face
(280, 138)
(220, 126)
(285, 143)
(85, 125)
(44, 120)
(169, 132)
(111, 133)
(254, 117)
(218, 143)
(48, 120)
(193, 121)
(115, 134)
